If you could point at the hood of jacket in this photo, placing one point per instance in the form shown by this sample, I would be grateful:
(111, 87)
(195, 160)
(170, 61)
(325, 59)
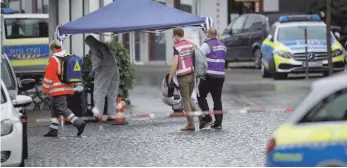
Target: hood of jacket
(60, 53)
(92, 41)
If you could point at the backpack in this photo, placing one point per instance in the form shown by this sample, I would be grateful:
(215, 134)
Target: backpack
(71, 71)
(168, 88)
(200, 62)
(200, 65)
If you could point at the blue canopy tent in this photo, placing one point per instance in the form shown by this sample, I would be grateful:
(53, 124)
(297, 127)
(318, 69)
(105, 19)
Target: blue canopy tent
(131, 15)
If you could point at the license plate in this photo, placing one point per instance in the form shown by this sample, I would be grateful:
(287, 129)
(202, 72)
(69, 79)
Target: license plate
(314, 64)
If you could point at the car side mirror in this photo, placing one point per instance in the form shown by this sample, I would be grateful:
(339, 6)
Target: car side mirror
(27, 84)
(22, 101)
(337, 35)
(12, 94)
(269, 37)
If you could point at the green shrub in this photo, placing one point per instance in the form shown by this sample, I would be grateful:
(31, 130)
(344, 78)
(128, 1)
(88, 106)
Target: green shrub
(126, 70)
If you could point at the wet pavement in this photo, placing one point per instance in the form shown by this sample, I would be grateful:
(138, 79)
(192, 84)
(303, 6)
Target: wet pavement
(158, 141)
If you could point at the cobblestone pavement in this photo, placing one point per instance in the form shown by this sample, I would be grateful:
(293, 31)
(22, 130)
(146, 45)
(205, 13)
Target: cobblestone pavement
(158, 141)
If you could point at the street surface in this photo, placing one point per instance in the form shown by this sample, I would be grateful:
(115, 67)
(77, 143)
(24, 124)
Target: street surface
(158, 141)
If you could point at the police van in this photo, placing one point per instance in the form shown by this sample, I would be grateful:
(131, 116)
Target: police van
(284, 50)
(25, 41)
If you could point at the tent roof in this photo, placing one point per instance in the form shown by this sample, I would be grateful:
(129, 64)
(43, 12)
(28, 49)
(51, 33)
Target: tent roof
(131, 15)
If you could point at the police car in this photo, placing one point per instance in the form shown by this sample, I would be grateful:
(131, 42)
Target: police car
(25, 41)
(316, 132)
(283, 51)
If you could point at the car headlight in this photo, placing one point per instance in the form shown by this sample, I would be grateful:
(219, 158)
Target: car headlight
(284, 54)
(6, 127)
(337, 52)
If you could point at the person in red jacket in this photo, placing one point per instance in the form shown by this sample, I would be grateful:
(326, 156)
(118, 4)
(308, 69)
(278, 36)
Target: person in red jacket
(53, 87)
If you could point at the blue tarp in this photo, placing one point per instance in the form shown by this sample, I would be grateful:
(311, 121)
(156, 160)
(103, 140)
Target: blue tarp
(131, 15)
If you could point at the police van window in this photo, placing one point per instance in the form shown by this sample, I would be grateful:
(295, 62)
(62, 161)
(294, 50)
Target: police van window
(298, 33)
(332, 108)
(26, 28)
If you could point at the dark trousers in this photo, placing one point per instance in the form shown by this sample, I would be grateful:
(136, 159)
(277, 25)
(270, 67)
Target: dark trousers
(214, 86)
(60, 108)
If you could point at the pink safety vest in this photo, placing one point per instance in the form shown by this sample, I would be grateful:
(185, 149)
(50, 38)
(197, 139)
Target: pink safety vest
(185, 60)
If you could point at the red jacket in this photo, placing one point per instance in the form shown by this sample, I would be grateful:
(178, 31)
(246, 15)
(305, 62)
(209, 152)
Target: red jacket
(51, 82)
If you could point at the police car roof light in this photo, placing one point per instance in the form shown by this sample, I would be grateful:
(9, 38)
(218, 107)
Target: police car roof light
(7, 11)
(296, 18)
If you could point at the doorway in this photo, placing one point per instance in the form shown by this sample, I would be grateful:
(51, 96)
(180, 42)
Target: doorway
(126, 44)
(157, 45)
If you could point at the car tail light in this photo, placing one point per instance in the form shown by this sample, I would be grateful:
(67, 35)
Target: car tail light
(271, 145)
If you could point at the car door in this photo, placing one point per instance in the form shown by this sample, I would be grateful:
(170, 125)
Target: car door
(326, 124)
(233, 40)
(255, 30)
(317, 136)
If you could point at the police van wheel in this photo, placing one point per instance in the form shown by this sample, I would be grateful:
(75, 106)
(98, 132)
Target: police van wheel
(264, 72)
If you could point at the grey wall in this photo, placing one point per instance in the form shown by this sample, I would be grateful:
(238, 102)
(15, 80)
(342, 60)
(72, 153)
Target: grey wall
(293, 5)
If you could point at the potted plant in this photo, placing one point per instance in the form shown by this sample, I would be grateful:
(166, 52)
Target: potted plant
(126, 70)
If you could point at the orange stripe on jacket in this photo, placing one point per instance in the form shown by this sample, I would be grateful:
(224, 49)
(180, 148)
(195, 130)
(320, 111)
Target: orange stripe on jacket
(51, 83)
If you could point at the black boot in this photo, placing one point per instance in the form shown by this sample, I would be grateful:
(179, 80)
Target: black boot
(79, 124)
(218, 123)
(51, 133)
(205, 121)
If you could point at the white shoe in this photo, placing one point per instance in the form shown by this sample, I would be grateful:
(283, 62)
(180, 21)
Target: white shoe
(95, 111)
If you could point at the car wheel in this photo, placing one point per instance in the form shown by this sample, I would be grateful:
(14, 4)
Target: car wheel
(257, 58)
(278, 76)
(22, 164)
(264, 72)
(25, 142)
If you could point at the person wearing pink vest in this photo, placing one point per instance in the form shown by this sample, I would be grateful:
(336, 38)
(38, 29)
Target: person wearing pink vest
(182, 65)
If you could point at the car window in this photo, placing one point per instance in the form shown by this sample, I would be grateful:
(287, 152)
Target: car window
(252, 19)
(26, 28)
(332, 108)
(7, 76)
(238, 24)
(3, 97)
(298, 33)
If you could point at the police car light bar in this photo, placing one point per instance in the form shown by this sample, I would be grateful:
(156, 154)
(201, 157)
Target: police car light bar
(7, 11)
(296, 18)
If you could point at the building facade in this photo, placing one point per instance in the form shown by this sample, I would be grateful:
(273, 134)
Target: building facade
(147, 48)
(28, 6)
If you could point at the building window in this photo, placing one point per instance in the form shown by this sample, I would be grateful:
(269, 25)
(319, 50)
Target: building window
(15, 4)
(186, 5)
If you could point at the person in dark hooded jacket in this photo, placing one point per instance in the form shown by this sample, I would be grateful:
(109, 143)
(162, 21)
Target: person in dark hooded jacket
(106, 76)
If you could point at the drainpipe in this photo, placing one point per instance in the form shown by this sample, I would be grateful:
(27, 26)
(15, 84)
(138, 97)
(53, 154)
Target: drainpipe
(101, 4)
